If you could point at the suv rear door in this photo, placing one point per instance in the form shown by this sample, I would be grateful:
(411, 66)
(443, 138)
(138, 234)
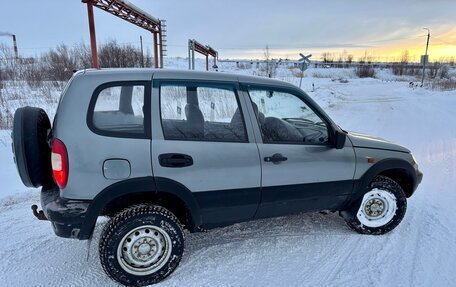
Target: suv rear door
(200, 140)
(301, 168)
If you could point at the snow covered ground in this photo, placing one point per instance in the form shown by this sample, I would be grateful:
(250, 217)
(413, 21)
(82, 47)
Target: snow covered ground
(299, 250)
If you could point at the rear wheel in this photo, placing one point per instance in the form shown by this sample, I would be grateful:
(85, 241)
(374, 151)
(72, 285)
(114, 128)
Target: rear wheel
(381, 208)
(32, 153)
(141, 245)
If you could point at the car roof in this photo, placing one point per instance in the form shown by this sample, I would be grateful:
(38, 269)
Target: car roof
(184, 75)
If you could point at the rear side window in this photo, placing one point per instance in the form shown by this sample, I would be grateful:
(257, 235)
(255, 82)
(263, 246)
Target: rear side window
(201, 112)
(118, 109)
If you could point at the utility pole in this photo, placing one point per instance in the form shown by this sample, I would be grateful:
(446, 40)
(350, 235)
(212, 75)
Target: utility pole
(425, 58)
(142, 52)
(189, 54)
(16, 54)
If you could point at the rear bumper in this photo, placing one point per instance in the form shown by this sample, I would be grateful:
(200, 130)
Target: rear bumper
(66, 216)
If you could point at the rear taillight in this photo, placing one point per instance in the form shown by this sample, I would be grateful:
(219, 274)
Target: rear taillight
(59, 161)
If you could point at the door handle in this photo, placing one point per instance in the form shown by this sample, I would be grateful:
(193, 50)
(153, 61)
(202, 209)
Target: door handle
(175, 160)
(275, 158)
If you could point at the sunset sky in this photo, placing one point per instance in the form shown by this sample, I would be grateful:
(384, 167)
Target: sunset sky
(242, 29)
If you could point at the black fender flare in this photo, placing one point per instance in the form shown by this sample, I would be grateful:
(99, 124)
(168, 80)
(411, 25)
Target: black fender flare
(384, 165)
(362, 184)
(138, 185)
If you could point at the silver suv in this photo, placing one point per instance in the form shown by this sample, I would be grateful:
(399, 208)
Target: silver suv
(161, 151)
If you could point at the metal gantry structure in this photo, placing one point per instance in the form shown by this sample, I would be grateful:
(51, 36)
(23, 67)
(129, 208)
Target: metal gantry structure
(195, 46)
(128, 12)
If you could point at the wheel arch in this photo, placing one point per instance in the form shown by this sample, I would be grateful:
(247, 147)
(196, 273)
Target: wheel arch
(399, 170)
(173, 195)
(396, 169)
(403, 177)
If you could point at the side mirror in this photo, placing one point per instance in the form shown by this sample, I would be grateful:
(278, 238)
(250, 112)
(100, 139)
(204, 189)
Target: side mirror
(339, 139)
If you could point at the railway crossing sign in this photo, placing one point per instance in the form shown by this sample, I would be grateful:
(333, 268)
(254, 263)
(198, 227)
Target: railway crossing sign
(305, 63)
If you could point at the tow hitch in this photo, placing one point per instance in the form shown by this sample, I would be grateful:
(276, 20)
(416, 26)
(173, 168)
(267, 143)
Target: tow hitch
(38, 214)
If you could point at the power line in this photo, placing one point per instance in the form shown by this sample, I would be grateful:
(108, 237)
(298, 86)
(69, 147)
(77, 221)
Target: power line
(449, 43)
(396, 39)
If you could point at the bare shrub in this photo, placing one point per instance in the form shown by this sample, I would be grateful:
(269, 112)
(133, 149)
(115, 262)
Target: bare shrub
(443, 85)
(366, 58)
(243, 66)
(445, 72)
(7, 63)
(365, 71)
(319, 75)
(1, 86)
(6, 120)
(112, 55)
(47, 74)
(33, 72)
(298, 74)
(433, 69)
(399, 68)
(269, 67)
(83, 56)
(327, 57)
(60, 63)
(451, 61)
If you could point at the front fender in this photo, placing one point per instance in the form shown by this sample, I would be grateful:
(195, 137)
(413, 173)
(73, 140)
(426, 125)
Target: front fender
(362, 184)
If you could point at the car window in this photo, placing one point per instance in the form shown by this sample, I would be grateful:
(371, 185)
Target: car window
(286, 118)
(120, 109)
(201, 112)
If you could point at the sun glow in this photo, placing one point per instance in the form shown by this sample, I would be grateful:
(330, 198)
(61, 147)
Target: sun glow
(442, 48)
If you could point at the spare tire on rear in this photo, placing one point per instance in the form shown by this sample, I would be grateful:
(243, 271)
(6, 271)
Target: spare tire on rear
(32, 153)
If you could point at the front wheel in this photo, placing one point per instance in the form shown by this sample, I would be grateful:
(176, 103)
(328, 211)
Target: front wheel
(380, 210)
(141, 245)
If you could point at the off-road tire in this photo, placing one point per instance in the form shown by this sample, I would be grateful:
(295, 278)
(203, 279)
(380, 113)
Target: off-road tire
(129, 219)
(32, 153)
(390, 185)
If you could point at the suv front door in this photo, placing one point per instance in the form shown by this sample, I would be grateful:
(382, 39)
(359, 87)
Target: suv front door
(200, 140)
(301, 168)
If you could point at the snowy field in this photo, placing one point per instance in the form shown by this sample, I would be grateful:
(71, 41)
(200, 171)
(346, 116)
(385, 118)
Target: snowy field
(299, 250)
